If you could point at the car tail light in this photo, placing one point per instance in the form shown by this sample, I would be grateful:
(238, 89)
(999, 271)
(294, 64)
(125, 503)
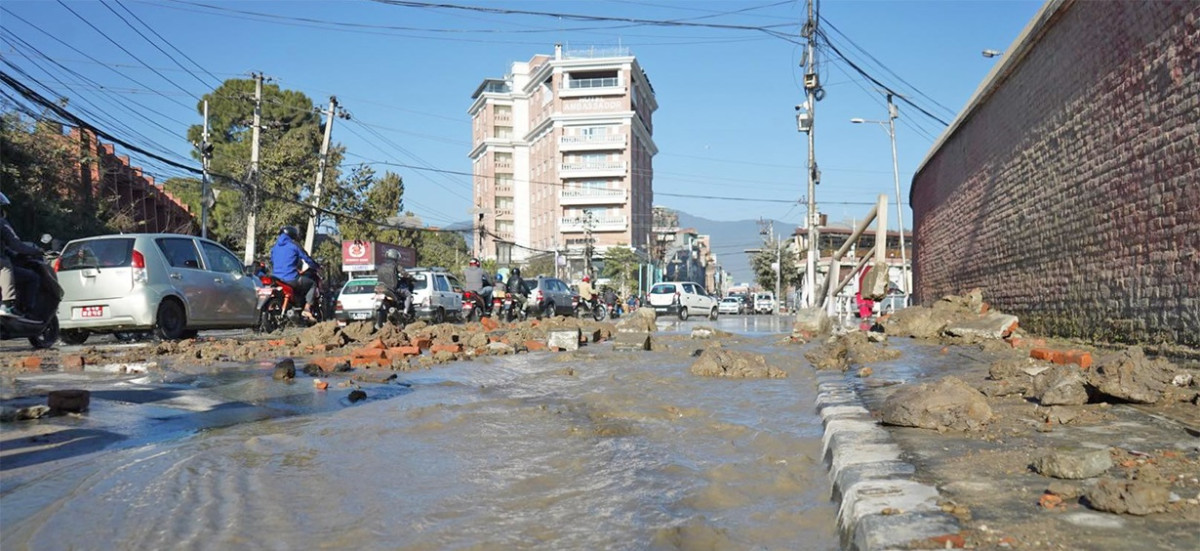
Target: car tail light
(539, 295)
(57, 263)
(676, 297)
(337, 306)
(139, 267)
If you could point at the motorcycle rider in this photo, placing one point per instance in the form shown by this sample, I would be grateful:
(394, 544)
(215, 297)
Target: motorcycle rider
(395, 279)
(586, 294)
(475, 280)
(16, 282)
(516, 286)
(286, 255)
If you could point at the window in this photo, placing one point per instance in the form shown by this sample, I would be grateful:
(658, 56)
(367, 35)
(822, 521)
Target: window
(179, 252)
(420, 281)
(97, 253)
(440, 283)
(594, 131)
(454, 284)
(221, 260)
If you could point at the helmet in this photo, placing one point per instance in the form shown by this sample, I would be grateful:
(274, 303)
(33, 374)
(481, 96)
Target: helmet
(291, 232)
(499, 276)
(4, 202)
(516, 272)
(474, 262)
(586, 278)
(392, 254)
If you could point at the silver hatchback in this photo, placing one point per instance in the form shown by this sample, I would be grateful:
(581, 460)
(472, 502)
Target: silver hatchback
(171, 284)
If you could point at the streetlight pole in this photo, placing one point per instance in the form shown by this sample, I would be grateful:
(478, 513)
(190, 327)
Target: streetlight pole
(891, 130)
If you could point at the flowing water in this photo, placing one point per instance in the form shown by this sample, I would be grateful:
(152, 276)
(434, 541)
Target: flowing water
(590, 450)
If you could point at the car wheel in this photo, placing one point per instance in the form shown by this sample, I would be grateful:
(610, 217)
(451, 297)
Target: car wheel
(683, 313)
(49, 334)
(74, 336)
(171, 322)
(713, 314)
(439, 316)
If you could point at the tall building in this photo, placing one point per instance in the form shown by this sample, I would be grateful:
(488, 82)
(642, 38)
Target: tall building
(562, 157)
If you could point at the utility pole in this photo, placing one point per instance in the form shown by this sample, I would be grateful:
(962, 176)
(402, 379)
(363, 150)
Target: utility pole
(206, 202)
(813, 93)
(251, 219)
(892, 114)
(311, 233)
(769, 231)
(587, 246)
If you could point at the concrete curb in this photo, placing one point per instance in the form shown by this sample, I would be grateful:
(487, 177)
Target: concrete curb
(869, 476)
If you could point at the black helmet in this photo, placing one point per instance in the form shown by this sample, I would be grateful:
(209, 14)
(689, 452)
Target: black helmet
(516, 272)
(291, 232)
(392, 254)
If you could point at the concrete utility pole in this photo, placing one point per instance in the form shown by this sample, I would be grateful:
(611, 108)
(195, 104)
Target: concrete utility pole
(769, 232)
(892, 114)
(205, 156)
(587, 246)
(251, 219)
(311, 233)
(812, 92)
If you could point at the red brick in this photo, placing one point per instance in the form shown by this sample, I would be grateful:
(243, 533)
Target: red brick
(377, 343)
(1041, 354)
(329, 364)
(321, 385)
(1080, 358)
(370, 362)
(489, 324)
(324, 347)
(452, 348)
(534, 346)
(32, 363)
(72, 363)
(369, 352)
(401, 352)
(950, 541)
(423, 343)
(276, 342)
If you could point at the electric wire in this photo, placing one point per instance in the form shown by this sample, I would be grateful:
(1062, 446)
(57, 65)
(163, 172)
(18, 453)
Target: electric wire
(168, 43)
(152, 43)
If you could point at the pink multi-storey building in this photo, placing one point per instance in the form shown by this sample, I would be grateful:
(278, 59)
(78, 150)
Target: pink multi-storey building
(563, 156)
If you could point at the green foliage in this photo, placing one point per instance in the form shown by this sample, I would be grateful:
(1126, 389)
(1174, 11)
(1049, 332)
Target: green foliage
(764, 274)
(620, 265)
(445, 249)
(539, 265)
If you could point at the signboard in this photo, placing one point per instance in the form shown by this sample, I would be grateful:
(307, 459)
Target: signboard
(363, 256)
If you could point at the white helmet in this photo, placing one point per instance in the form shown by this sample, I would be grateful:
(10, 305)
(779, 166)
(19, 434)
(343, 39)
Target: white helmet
(4, 202)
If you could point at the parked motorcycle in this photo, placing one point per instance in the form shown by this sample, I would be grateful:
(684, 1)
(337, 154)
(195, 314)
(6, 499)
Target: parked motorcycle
(279, 305)
(40, 324)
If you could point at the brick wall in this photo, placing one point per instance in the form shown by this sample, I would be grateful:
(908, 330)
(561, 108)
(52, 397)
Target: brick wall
(1069, 188)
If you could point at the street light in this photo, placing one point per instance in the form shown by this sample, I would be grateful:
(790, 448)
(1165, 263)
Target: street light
(992, 53)
(890, 126)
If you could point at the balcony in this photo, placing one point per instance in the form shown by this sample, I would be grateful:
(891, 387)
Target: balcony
(583, 143)
(503, 212)
(590, 169)
(591, 196)
(611, 86)
(598, 223)
(502, 164)
(504, 189)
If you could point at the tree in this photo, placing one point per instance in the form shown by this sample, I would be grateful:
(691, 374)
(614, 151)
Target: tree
(442, 248)
(620, 265)
(764, 273)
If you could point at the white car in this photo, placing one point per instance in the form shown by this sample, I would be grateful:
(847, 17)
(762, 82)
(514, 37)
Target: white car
(437, 294)
(682, 298)
(730, 305)
(764, 303)
(356, 301)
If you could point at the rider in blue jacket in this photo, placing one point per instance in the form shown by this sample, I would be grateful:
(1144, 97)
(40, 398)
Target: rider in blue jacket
(286, 255)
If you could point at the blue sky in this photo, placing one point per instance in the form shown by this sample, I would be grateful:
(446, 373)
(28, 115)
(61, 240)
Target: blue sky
(725, 124)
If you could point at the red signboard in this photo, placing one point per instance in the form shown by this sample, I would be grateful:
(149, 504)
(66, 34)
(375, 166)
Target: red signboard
(363, 256)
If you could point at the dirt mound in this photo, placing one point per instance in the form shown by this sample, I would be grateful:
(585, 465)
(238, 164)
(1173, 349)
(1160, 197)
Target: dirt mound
(719, 362)
(854, 348)
(947, 404)
(323, 333)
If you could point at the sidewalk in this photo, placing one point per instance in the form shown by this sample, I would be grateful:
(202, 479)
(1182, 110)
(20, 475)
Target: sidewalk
(916, 488)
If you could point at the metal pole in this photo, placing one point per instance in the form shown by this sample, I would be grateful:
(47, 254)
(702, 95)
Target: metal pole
(310, 235)
(892, 114)
(204, 156)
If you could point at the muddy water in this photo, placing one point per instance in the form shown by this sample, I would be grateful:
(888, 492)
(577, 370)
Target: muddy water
(594, 450)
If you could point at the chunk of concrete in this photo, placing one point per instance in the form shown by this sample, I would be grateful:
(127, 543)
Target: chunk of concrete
(1062, 387)
(811, 321)
(632, 341)
(1130, 375)
(1133, 497)
(946, 404)
(69, 401)
(284, 369)
(563, 339)
(992, 325)
(642, 320)
(1073, 464)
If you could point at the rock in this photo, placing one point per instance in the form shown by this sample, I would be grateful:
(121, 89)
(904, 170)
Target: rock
(1073, 464)
(918, 322)
(477, 340)
(718, 362)
(1064, 490)
(811, 321)
(69, 401)
(356, 395)
(947, 404)
(1129, 375)
(853, 348)
(360, 331)
(992, 325)
(865, 372)
(876, 336)
(1008, 368)
(373, 376)
(8, 415)
(564, 339)
(641, 320)
(1060, 415)
(500, 349)
(627, 341)
(1133, 497)
(1007, 387)
(323, 333)
(489, 324)
(1062, 387)
(284, 369)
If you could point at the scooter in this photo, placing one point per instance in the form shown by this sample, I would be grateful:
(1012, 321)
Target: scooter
(279, 306)
(40, 324)
(593, 308)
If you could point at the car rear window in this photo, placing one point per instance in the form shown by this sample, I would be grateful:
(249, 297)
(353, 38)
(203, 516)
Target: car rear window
(662, 290)
(359, 287)
(730, 300)
(420, 281)
(97, 253)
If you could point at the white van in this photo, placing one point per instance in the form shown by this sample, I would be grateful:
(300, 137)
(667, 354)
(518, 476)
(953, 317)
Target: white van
(764, 303)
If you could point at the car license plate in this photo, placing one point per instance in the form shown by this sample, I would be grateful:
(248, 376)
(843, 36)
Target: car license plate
(359, 315)
(91, 312)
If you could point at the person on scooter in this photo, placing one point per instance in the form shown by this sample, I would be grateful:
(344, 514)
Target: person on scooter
(395, 280)
(586, 294)
(516, 285)
(475, 280)
(286, 255)
(18, 285)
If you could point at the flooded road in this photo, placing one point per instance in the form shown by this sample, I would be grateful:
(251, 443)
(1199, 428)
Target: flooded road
(594, 449)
